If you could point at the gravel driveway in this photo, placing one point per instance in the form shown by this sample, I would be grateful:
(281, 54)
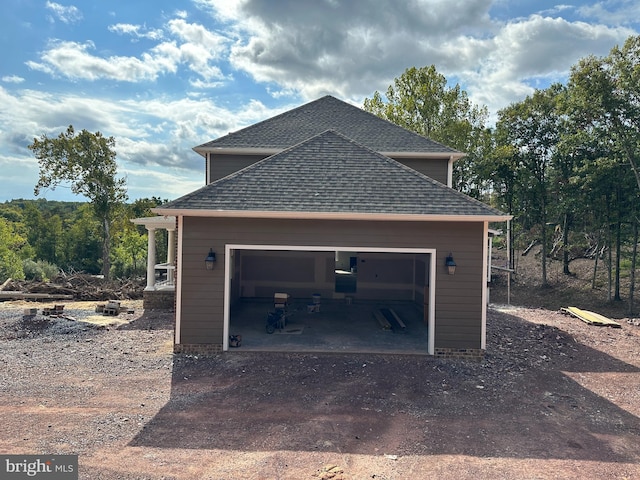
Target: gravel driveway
(553, 399)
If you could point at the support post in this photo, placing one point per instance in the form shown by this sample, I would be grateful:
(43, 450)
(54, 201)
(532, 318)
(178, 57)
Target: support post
(171, 247)
(151, 258)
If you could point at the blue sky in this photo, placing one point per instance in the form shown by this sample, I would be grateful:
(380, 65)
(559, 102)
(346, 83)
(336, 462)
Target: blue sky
(164, 76)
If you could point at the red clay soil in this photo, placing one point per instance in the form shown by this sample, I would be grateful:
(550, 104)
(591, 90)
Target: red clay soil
(554, 398)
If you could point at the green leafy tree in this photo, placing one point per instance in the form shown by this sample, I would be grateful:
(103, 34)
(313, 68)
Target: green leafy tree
(45, 234)
(420, 100)
(87, 162)
(609, 88)
(12, 249)
(607, 93)
(533, 128)
(83, 241)
(500, 171)
(130, 252)
(142, 208)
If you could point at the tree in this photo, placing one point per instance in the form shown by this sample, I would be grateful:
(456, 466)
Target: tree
(12, 247)
(131, 240)
(609, 90)
(130, 252)
(86, 161)
(45, 234)
(420, 101)
(83, 241)
(533, 127)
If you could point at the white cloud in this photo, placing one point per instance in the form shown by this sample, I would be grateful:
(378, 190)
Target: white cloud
(192, 46)
(612, 12)
(136, 125)
(12, 79)
(151, 135)
(74, 60)
(534, 49)
(556, 10)
(66, 14)
(200, 48)
(136, 31)
(352, 49)
(164, 184)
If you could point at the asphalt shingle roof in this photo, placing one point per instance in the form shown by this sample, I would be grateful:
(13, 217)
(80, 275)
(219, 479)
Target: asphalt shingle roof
(331, 173)
(328, 113)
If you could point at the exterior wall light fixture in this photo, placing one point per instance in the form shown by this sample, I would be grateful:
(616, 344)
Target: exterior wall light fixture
(210, 259)
(450, 264)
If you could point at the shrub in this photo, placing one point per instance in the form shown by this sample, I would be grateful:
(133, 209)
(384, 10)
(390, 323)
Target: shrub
(40, 271)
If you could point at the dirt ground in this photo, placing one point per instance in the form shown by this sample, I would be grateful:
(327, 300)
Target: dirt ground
(553, 399)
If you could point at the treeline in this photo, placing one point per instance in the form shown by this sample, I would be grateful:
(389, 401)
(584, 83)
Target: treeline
(41, 238)
(565, 161)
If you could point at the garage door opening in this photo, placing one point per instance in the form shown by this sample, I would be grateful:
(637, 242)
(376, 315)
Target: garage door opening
(346, 272)
(323, 311)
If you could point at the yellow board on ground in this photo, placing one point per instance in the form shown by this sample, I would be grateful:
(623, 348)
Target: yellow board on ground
(591, 318)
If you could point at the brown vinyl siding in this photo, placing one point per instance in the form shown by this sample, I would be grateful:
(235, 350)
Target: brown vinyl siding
(459, 306)
(222, 165)
(437, 169)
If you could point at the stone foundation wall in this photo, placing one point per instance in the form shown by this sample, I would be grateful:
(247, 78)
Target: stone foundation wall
(203, 349)
(159, 300)
(463, 353)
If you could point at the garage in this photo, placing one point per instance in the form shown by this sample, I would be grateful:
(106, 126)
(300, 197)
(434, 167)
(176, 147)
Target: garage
(335, 298)
(328, 199)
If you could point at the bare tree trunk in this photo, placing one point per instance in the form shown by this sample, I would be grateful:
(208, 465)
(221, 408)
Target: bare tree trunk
(595, 271)
(544, 243)
(609, 264)
(544, 256)
(634, 256)
(106, 248)
(618, 254)
(565, 245)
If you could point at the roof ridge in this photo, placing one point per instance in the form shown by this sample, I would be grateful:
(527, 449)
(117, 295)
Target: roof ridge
(269, 134)
(261, 122)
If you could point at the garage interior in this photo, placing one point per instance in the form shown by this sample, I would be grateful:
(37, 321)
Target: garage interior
(343, 300)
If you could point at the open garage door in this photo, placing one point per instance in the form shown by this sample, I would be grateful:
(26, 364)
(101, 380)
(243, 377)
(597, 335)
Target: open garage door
(332, 294)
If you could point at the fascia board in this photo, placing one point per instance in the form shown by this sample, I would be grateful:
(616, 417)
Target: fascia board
(272, 151)
(166, 221)
(387, 217)
(236, 151)
(451, 156)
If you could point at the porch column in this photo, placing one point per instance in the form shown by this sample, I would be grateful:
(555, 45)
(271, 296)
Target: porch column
(151, 258)
(171, 247)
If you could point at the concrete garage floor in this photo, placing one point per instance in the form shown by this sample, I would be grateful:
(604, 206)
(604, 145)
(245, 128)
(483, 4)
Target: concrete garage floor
(338, 327)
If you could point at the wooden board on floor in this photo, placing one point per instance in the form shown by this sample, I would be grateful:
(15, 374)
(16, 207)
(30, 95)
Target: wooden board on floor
(591, 318)
(9, 295)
